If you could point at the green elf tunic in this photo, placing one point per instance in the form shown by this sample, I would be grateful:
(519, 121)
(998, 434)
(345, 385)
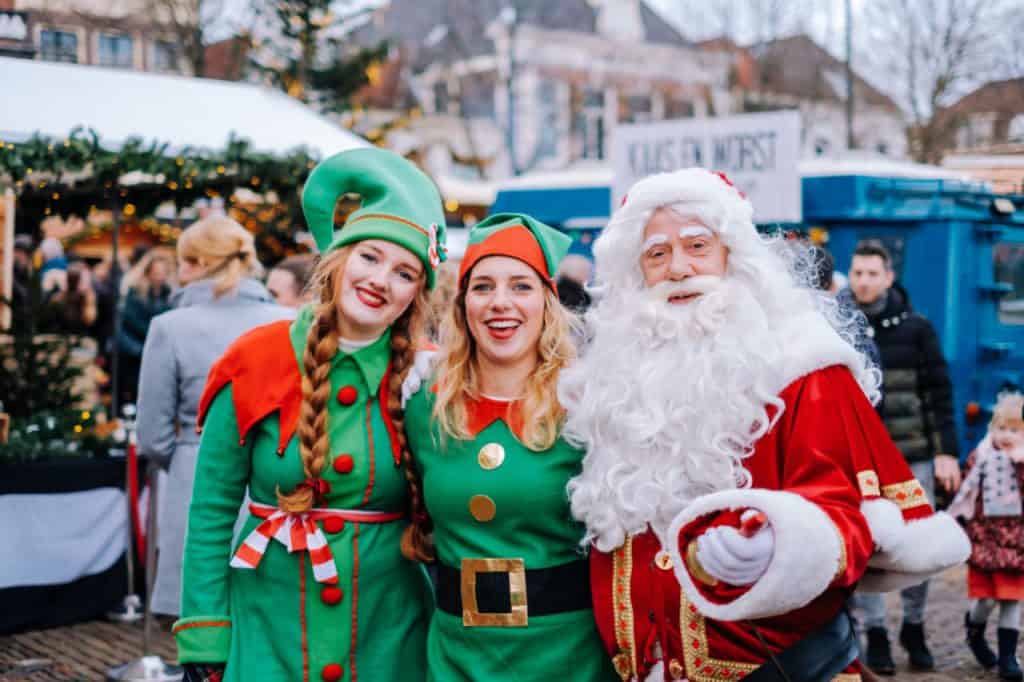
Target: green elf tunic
(492, 497)
(276, 622)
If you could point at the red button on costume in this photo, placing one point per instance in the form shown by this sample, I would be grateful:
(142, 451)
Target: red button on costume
(331, 595)
(347, 395)
(332, 672)
(343, 464)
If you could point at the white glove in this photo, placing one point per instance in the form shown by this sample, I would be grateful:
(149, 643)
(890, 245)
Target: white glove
(733, 558)
(422, 368)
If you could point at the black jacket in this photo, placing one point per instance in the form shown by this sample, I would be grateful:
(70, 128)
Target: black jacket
(917, 403)
(136, 314)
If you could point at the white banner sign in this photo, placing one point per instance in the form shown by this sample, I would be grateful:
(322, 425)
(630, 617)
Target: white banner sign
(759, 153)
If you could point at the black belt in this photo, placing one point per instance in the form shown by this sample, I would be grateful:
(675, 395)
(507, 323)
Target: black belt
(818, 657)
(497, 585)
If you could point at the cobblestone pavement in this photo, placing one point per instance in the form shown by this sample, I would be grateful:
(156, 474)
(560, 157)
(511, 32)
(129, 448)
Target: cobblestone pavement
(82, 652)
(944, 626)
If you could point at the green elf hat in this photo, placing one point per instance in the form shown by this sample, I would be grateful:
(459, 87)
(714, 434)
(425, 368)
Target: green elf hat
(400, 204)
(516, 235)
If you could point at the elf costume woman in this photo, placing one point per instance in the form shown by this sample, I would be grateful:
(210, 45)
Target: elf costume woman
(513, 600)
(307, 417)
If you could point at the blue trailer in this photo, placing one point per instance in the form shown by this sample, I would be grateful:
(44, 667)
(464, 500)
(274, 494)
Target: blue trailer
(958, 250)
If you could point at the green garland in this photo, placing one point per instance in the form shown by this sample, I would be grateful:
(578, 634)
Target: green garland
(48, 169)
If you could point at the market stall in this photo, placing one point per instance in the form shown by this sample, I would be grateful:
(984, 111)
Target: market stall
(112, 147)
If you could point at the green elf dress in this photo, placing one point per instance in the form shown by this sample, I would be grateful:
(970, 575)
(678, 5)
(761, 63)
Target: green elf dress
(513, 593)
(325, 594)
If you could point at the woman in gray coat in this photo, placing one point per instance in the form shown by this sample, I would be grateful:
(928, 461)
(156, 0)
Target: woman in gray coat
(218, 304)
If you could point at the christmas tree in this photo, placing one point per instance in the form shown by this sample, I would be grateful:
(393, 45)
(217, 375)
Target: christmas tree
(37, 385)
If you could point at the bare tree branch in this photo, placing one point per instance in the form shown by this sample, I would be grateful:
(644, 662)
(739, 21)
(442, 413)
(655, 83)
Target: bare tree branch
(938, 50)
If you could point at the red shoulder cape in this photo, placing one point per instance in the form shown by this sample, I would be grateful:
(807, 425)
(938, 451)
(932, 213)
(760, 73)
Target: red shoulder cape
(262, 369)
(260, 365)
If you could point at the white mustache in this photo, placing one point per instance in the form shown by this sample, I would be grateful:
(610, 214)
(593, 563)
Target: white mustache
(699, 284)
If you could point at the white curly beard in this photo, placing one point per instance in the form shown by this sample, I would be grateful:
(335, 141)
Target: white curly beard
(667, 401)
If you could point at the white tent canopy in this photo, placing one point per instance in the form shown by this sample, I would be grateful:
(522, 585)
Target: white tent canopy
(52, 99)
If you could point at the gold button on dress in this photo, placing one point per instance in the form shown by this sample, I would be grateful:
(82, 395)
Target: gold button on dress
(482, 508)
(491, 456)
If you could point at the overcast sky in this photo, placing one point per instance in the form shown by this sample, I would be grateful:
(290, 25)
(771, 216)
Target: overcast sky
(824, 20)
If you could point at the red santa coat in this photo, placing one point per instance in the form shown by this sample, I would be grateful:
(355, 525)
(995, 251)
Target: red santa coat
(812, 474)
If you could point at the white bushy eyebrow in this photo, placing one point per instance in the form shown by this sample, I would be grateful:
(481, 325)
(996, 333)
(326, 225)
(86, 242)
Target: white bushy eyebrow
(691, 231)
(654, 240)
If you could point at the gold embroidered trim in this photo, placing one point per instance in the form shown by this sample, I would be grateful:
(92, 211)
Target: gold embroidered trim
(700, 666)
(868, 481)
(905, 495)
(622, 609)
(842, 551)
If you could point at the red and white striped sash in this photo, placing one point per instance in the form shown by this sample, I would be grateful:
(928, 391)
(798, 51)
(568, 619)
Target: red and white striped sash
(300, 532)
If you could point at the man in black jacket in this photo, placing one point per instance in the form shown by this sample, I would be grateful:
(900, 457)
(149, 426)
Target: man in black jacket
(918, 411)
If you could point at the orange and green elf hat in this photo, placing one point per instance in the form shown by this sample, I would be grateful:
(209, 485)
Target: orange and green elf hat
(516, 235)
(400, 204)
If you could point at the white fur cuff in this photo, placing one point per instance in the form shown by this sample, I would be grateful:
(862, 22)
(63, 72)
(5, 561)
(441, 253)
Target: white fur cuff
(920, 548)
(808, 551)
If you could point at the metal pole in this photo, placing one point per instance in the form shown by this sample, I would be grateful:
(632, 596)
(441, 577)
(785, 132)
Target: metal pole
(149, 668)
(509, 15)
(151, 541)
(850, 143)
(131, 608)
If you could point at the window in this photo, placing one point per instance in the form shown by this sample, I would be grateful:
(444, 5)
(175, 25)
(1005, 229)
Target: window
(116, 51)
(635, 109)
(1008, 264)
(58, 46)
(441, 97)
(165, 56)
(548, 134)
(679, 108)
(477, 96)
(1015, 132)
(588, 123)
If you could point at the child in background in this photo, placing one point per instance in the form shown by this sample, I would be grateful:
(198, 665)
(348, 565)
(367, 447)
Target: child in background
(990, 503)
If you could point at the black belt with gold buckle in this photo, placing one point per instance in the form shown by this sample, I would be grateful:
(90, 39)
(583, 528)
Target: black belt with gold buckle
(503, 593)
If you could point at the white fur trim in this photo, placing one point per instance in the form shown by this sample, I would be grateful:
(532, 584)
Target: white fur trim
(807, 553)
(812, 344)
(922, 547)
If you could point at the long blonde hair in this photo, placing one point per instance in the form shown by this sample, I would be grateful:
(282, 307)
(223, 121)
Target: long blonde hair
(321, 347)
(223, 249)
(459, 376)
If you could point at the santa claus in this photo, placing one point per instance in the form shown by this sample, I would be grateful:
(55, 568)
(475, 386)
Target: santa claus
(737, 484)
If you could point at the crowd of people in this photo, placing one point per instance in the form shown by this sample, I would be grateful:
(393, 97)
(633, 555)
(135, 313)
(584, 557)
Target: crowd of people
(67, 294)
(684, 460)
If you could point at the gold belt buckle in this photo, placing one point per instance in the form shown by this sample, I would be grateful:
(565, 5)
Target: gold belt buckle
(517, 616)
